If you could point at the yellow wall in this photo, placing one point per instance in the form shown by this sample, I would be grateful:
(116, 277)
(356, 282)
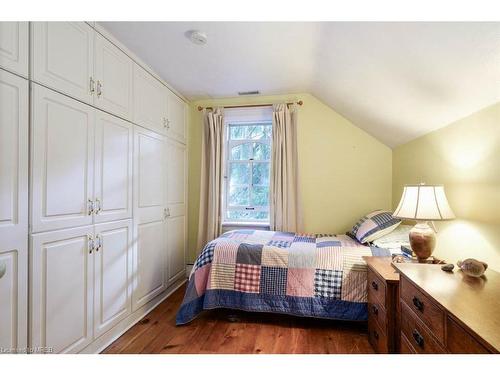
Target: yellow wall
(344, 172)
(465, 157)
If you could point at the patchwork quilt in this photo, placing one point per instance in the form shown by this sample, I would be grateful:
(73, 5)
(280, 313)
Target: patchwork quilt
(299, 274)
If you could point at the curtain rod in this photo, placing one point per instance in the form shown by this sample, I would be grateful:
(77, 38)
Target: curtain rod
(300, 102)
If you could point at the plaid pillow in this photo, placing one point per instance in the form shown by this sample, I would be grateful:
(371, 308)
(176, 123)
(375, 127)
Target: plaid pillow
(374, 225)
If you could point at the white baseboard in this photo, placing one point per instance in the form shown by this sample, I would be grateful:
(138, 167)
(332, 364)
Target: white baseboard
(102, 342)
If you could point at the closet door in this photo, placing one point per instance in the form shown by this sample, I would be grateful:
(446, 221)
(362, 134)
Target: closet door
(176, 210)
(62, 161)
(63, 57)
(14, 47)
(114, 75)
(13, 210)
(61, 289)
(176, 118)
(149, 216)
(150, 101)
(113, 270)
(113, 168)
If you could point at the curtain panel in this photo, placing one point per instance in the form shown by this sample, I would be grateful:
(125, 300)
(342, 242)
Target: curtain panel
(284, 195)
(212, 174)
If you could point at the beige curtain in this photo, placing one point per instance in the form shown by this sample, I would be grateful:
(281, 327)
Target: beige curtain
(284, 205)
(209, 222)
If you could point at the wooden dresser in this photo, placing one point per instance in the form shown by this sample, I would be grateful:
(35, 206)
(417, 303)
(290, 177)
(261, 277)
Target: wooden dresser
(445, 312)
(383, 305)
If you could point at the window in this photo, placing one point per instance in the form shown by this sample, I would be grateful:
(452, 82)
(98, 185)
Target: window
(248, 164)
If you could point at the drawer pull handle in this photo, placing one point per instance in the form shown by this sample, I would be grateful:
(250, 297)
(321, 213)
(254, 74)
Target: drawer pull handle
(375, 334)
(418, 338)
(418, 304)
(374, 309)
(374, 285)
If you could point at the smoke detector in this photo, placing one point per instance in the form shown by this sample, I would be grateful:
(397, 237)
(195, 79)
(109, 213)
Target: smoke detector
(197, 37)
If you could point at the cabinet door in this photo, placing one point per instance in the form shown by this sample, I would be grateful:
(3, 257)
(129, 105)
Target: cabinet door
(150, 101)
(63, 57)
(13, 297)
(113, 270)
(61, 290)
(113, 74)
(113, 168)
(176, 211)
(13, 210)
(62, 161)
(149, 221)
(14, 47)
(176, 118)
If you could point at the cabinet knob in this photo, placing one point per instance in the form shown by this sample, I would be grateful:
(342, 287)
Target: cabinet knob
(98, 206)
(91, 85)
(90, 243)
(418, 338)
(418, 303)
(99, 88)
(375, 334)
(374, 310)
(374, 285)
(90, 207)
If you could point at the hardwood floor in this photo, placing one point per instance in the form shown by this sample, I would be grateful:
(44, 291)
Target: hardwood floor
(229, 332)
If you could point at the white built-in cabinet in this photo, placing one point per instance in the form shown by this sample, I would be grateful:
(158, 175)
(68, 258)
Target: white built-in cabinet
(13, 210)
(106, 195)
(14, 47)
(113, 78)
(150, 101)
(62, 55)
(150, 212)
(176, 209)
(80, 284)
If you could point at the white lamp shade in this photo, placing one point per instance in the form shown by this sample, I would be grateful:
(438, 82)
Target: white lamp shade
(424, 202)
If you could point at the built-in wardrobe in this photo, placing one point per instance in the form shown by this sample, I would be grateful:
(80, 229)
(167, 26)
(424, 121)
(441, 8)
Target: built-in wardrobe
(93, 188)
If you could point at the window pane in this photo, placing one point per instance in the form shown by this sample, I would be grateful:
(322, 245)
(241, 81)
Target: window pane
(237, 132)
(247, 215)
(260, 196)
(261, 151)
(260, 174)
(241, 152)
(239, 173)
(239, 196)
(259, 132)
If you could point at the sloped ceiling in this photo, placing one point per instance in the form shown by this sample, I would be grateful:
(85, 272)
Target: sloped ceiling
(396, 81)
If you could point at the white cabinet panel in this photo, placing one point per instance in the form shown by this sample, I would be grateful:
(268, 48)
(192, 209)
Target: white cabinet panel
(13, 160)
(13, 297)
(63, 57)
(13, 211)
(61, 290)
(176, 118)
(149, 216)
(62, 161)
(113, 168)
(113, 274)
(150, 101)
(113, 75)
(14, 47)
(176, 211)
(149, 262)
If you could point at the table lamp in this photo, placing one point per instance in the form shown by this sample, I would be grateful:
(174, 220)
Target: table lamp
(423, 203)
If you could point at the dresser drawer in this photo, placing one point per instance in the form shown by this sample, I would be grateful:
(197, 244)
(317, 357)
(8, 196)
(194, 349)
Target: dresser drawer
(377, 337)
(417, 335)
(376, 288)
(406, 347)
(424, 308)
(460, 342)
(377, 312)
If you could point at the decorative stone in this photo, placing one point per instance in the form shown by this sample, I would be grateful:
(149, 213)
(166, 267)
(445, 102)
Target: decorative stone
(447, 267)
(472, 267)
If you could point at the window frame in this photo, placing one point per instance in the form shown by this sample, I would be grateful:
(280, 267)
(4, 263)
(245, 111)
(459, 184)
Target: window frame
(230, 143)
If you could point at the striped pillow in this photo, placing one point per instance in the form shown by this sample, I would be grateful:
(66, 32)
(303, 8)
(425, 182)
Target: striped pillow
(374, 225)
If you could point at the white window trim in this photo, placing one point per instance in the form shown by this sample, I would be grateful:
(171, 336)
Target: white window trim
(235, 118)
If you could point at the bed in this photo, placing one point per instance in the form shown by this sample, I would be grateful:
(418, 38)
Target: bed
(321, 276)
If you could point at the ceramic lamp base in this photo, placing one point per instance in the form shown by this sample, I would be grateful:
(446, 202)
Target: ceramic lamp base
(422, 240)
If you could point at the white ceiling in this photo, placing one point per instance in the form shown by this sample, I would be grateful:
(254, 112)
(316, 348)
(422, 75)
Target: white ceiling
(396, 81)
